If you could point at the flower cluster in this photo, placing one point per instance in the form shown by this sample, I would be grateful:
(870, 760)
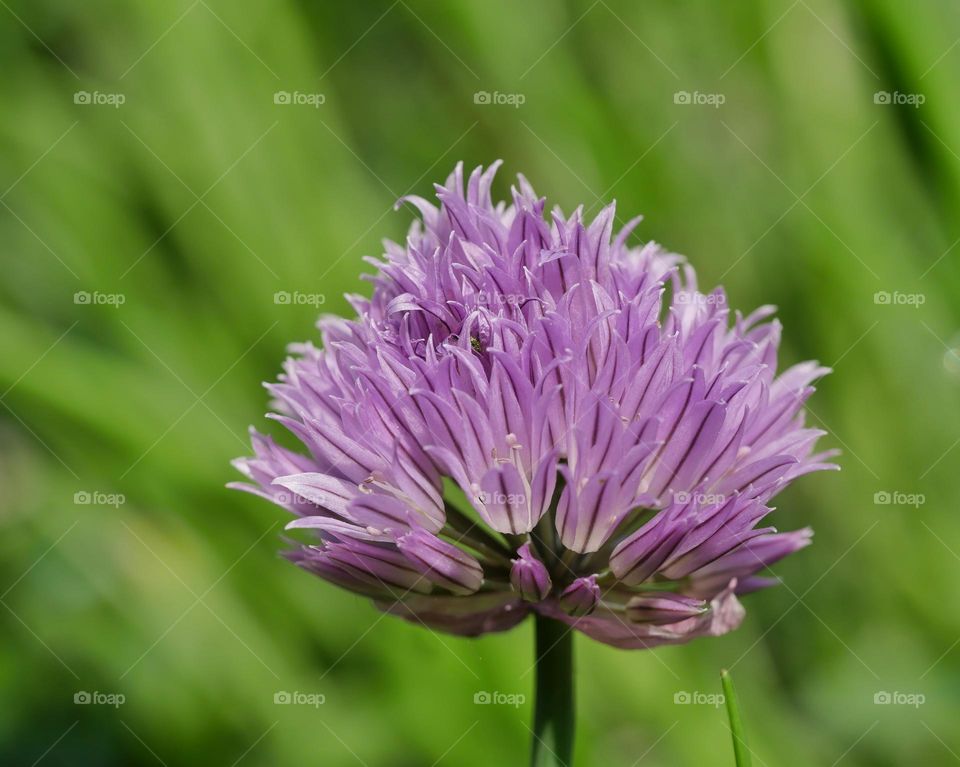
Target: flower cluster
(530, 414)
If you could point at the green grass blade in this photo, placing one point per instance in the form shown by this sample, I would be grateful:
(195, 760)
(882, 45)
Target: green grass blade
(740, 749)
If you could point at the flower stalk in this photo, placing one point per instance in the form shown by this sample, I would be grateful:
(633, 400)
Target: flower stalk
(553, 716)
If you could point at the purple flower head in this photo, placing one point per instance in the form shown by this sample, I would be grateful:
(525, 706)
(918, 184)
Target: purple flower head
(529, 414)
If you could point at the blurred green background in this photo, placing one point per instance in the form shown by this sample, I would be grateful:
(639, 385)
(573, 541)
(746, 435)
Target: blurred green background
(127, 568)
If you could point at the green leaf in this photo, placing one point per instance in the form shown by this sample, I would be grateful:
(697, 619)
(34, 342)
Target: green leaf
(740, 748)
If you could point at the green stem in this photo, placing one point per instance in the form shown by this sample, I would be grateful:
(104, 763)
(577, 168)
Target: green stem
(553, 707)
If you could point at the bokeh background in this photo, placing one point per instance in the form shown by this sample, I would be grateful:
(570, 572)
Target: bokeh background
(154, 197)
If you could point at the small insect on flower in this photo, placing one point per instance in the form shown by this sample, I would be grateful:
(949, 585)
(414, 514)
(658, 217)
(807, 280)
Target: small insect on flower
(529, 414)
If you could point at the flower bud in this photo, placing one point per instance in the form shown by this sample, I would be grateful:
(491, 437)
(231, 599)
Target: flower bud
(581, 597)
(529, 576)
